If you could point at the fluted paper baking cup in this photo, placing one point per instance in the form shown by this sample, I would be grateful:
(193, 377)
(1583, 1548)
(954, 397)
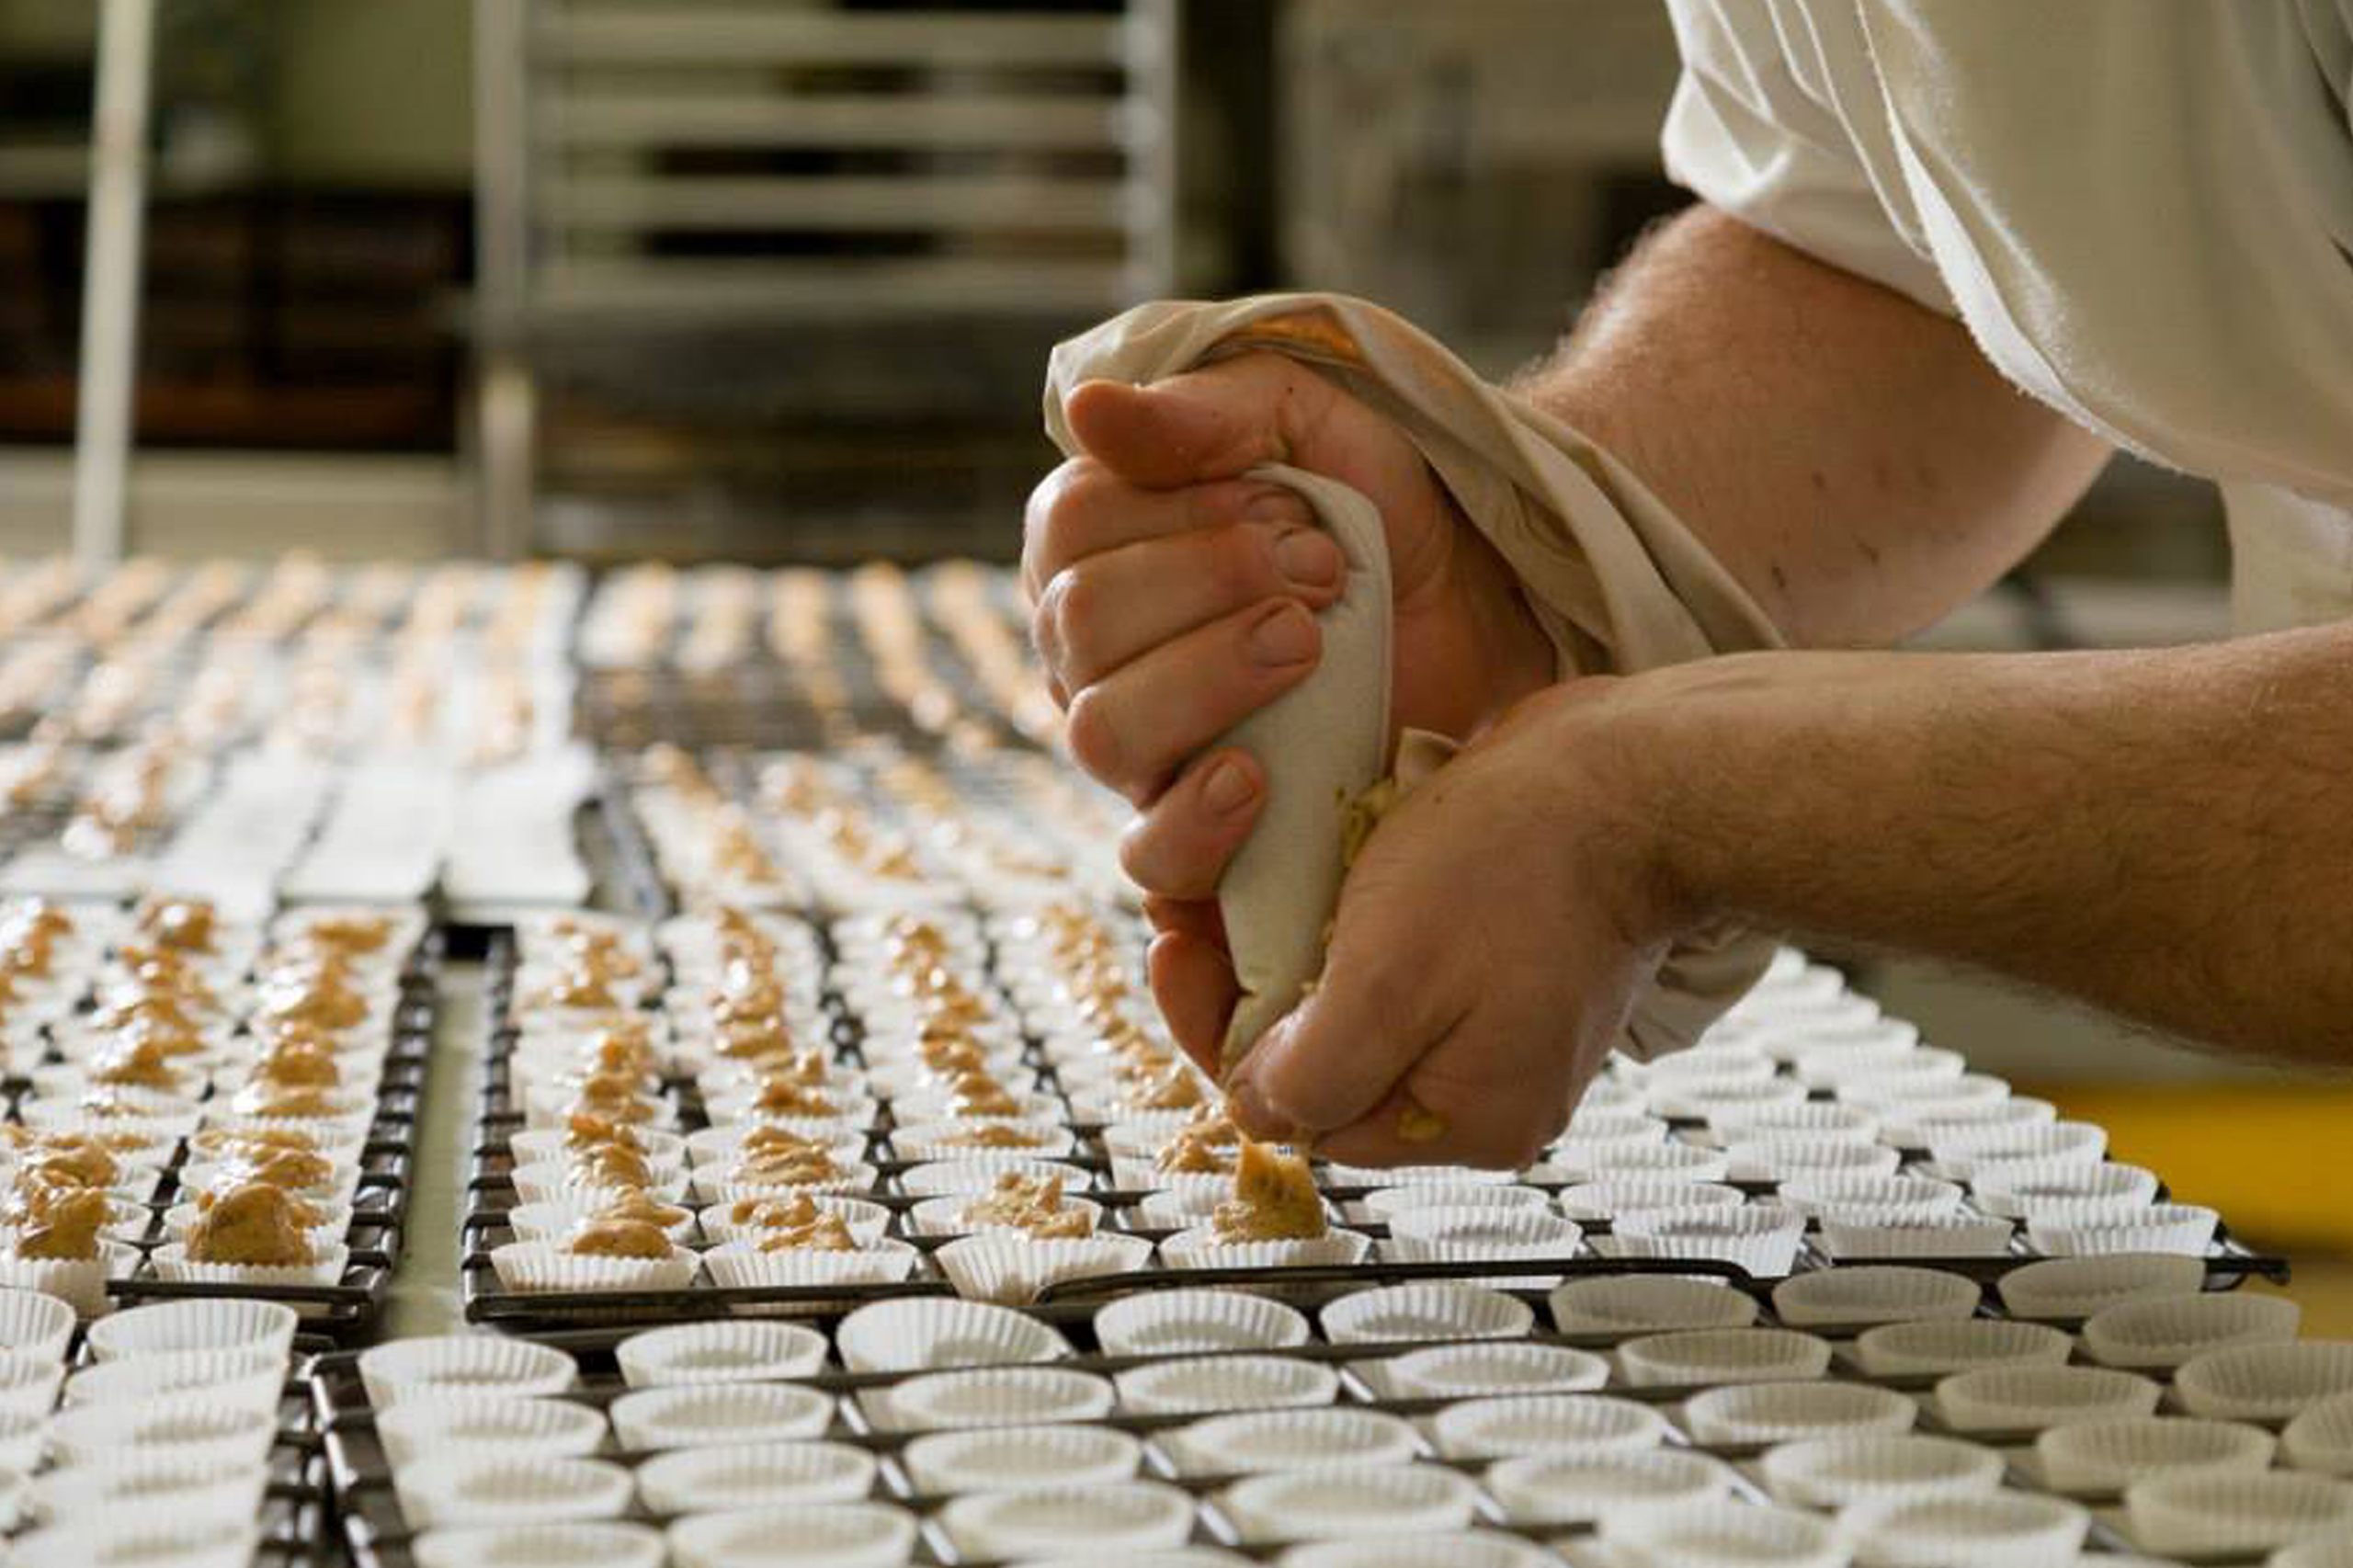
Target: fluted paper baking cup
(186, 1425)
(2260, 1382)
(1940, 1346)
(492, 1424)
(556, 1222)
(171, 1264)
(29, 1381)
(1112, 1520)
(698, 1414)
(1189, 1321)
(1003, 1459)
(164, 1328)
(1505, 1425)
(951, 1141)
(251, 1378)
(969, 1175)
(1993, 1530)
(1425, 1310)
(1013, 1269)
(1463, 1549)
(865, 1220)
(920, 1333)
(1489, 1367)
(831, 1535)
(754, 1475)
(1582, 1488)
(996, 1396)
(1954, 1235)
(1792, 1155)
(1595, 1200)
(1870, 1200)
(1849, 1467)
(742, 1265)
(2186, 1228)
(2079, 1287)
(80, 1284)
(471, 1490)
(1209, 1383)
(1201, 1247)
(1780, 1412)
(2202, 1514)
(1824, 1123)
(528, 1267)
(24, 1440)
(1614, 1306)
(1858, 1296)
(1700, 1357)
(35, 1322)
(335, 1220)
(1385, 1204)
(1373, 1500)
(1720, 1535)
(556, 1183)
(1759, 1239)
(2165, 1331)
(404, 1369)
(2016, 1398)
(131, 1542)
(1451, 1235)
(608, 1544)
(2320, 1439)
(946, 1216)
(1320, 1437)
(2057, 1191)
(666, 1151)
(2104, 1456)
(140, 1481)
(734, 1352)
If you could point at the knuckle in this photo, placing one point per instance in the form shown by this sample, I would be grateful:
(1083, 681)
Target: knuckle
(1058, 511)
(1092, 737)
(1078, 615)
(1234, 562)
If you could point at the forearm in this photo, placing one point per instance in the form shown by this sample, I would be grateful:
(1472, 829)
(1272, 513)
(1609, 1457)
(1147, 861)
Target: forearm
(2162, 834)
(1849, 456)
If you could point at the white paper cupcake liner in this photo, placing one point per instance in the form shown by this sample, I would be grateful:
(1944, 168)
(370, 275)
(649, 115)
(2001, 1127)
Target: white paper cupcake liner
(1322, 1438)
(1373, 1500)
(81, 1284)
(2033, 1189)
(974, 1176)
(1936, 1346)
(1996, 1530)
(555, 1184)
(2257, 1383)
(1869, 1200)
(949, 1141)
(1116, 1519)
(187, 1426)
(1201, 1248)
(945, 1216)
(1386, 1203)
(2203, 1514)
(1720, 1535)
(1177, 1323)
(1822, 1122)
(1002, 1458)
(2167, 1331)
(1706, 1357)
(992, 1396)
(489, 1425)
(556, 1222)
(754, 1475)
(2030, 1398)
(2079, 1287)
(215, 1543)
(1618, 1305)
(1781, 1412)
(24, 1440)
(1426, 1309)
(529, 1267)
(1792, 1156)
(2104, 1456)
(35, 1323)
(1958, 1234)
(1013, 1269)
(1564, 1490)
(1760, 1240)
(1506, 1425)
(249, 1379)
(171, 1262)
(1475, 1372)
(29, 1381)
(1208, 1384)
(1867, 1294)
(219, 1324)
(1448, 1234)
(697, 1415)
(462, 1364)
(2319, 1437)
(610, 1544)
(549, 1145)
(468, 1490)
(2183, 1228)
(138, 1483)
(719, 1353)
(927, 1332)
(829, 1535)
(1846, 1469)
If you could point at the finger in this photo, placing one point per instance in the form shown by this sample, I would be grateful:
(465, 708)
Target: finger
(1385, 998)
(1133, 729)
(1207, 423)
(1180, 845)
(1197, 918)
(1083, 509)
(1433, 1118)
(1193, 982)
(1103, 610)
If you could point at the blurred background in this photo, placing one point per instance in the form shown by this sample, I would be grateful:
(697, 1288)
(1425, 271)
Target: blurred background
(773, 280)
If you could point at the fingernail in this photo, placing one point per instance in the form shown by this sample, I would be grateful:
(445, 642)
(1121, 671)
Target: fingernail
(1252, 1114)
(1227, 787)
(1308, 559)
(1283, 636)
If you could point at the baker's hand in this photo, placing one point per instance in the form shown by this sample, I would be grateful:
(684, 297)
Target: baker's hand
(1173, 598)
(1490, 943)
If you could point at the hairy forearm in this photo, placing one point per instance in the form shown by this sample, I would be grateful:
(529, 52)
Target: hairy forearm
(2162, 834)
(1849, 456)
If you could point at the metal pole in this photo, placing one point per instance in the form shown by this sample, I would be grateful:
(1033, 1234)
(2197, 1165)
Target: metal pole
(110, 280)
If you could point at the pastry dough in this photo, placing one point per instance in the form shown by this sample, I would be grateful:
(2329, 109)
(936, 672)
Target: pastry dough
(1613, 576)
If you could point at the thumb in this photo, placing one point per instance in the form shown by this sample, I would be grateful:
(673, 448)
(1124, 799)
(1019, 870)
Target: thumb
(1203, 424)
(1379, 1008)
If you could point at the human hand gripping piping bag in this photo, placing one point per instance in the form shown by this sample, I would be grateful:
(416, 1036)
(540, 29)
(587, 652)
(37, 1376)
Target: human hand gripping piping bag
(1615, 579)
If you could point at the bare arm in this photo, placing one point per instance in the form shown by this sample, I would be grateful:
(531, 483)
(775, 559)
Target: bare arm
(1850, 456)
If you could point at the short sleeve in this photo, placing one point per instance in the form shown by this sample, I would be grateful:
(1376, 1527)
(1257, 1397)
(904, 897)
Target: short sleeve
(1775, 119)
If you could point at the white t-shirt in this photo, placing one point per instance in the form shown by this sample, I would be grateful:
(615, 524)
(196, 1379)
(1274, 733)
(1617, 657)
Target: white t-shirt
(2142, 208)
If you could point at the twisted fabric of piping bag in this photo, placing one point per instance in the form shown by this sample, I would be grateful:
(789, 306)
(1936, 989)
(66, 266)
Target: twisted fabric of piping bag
(1615, 579)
